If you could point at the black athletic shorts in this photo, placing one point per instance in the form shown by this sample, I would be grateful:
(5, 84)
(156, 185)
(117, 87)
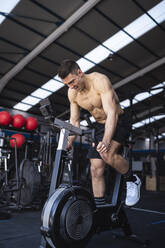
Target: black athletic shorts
(121, 134)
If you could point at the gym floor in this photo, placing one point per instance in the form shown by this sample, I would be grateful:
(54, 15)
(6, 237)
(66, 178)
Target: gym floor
(147, 220)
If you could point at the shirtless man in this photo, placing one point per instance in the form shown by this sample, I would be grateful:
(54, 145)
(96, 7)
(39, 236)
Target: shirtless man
(94, 93)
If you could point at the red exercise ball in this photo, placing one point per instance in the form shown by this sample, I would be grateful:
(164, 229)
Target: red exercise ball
(20, 139)
(5, 118)
(18, 121)
(31, 123)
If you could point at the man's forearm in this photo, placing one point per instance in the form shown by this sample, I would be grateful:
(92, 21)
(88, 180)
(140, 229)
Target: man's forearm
(72, 138)
(110, 127)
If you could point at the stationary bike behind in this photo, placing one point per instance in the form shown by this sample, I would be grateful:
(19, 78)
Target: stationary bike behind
(70, 216)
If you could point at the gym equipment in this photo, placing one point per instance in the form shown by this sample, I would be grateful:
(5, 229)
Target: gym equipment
(9, 176)
(48, 109)
(4, 157)
(31, 123)
(19, 186)
(5, 118)
(20, 140)
(30, 181)
(70, 217)
(18, 121)
(35, 172)
(72, 201)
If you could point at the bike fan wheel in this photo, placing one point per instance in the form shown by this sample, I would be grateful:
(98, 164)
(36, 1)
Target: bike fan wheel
(67, 217)
(77, 220)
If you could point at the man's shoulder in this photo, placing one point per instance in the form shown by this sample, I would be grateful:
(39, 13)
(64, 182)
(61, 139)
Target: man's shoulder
(96, 75)
(72, 94)
(100, 80)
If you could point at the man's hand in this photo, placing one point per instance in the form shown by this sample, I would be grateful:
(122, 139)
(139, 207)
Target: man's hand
(103, 147)
(69, 145)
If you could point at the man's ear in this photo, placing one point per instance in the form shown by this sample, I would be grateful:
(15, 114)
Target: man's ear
(79, 71)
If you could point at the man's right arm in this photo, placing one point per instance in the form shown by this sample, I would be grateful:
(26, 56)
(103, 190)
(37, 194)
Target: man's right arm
(74, 115)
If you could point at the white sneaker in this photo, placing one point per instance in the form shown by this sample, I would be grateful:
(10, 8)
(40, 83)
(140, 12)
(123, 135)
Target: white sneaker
(133, 192)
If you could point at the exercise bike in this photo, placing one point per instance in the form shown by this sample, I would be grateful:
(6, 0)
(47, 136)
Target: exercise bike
(70, 216)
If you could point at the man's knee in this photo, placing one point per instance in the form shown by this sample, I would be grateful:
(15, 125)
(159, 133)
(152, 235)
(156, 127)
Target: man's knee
(97, 171)
(108, 158)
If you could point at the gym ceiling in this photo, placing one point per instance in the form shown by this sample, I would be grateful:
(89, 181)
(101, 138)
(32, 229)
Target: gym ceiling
(36, 35)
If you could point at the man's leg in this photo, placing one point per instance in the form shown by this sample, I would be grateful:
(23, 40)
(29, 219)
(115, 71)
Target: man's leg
(114, 159)
(98, 181)
(120, 164)
(97, 174)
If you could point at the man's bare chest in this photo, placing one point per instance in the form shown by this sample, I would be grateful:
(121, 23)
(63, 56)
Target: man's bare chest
(89, 101)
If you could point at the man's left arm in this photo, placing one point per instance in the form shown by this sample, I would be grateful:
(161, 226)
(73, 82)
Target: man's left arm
(108, 98)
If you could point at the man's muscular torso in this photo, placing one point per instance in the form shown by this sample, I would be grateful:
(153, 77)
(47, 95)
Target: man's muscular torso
(89, 98)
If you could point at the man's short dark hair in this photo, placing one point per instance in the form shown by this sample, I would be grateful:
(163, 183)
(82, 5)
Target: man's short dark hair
(67, 66)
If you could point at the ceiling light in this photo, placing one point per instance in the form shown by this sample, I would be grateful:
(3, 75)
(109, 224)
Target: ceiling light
(85, 64)
(158, 117)
(125, 103)
(32, 100)
(57, 78)
(7, 6)
(22, 106)
(41, 93)
(98, 54)
(138, 124)
(118, 41)
(154, 89)
(148, 121)
(52, 85)
(141, 96)
(158, 12)
(140, 26)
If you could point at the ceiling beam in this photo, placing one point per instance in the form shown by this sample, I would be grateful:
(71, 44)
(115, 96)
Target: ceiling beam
(139, 73)
(147, 112)
(49, 40)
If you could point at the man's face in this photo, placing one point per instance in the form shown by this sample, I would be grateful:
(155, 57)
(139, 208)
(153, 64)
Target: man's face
(73, 81)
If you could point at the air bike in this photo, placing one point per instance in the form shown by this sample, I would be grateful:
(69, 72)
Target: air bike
(70, 216)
